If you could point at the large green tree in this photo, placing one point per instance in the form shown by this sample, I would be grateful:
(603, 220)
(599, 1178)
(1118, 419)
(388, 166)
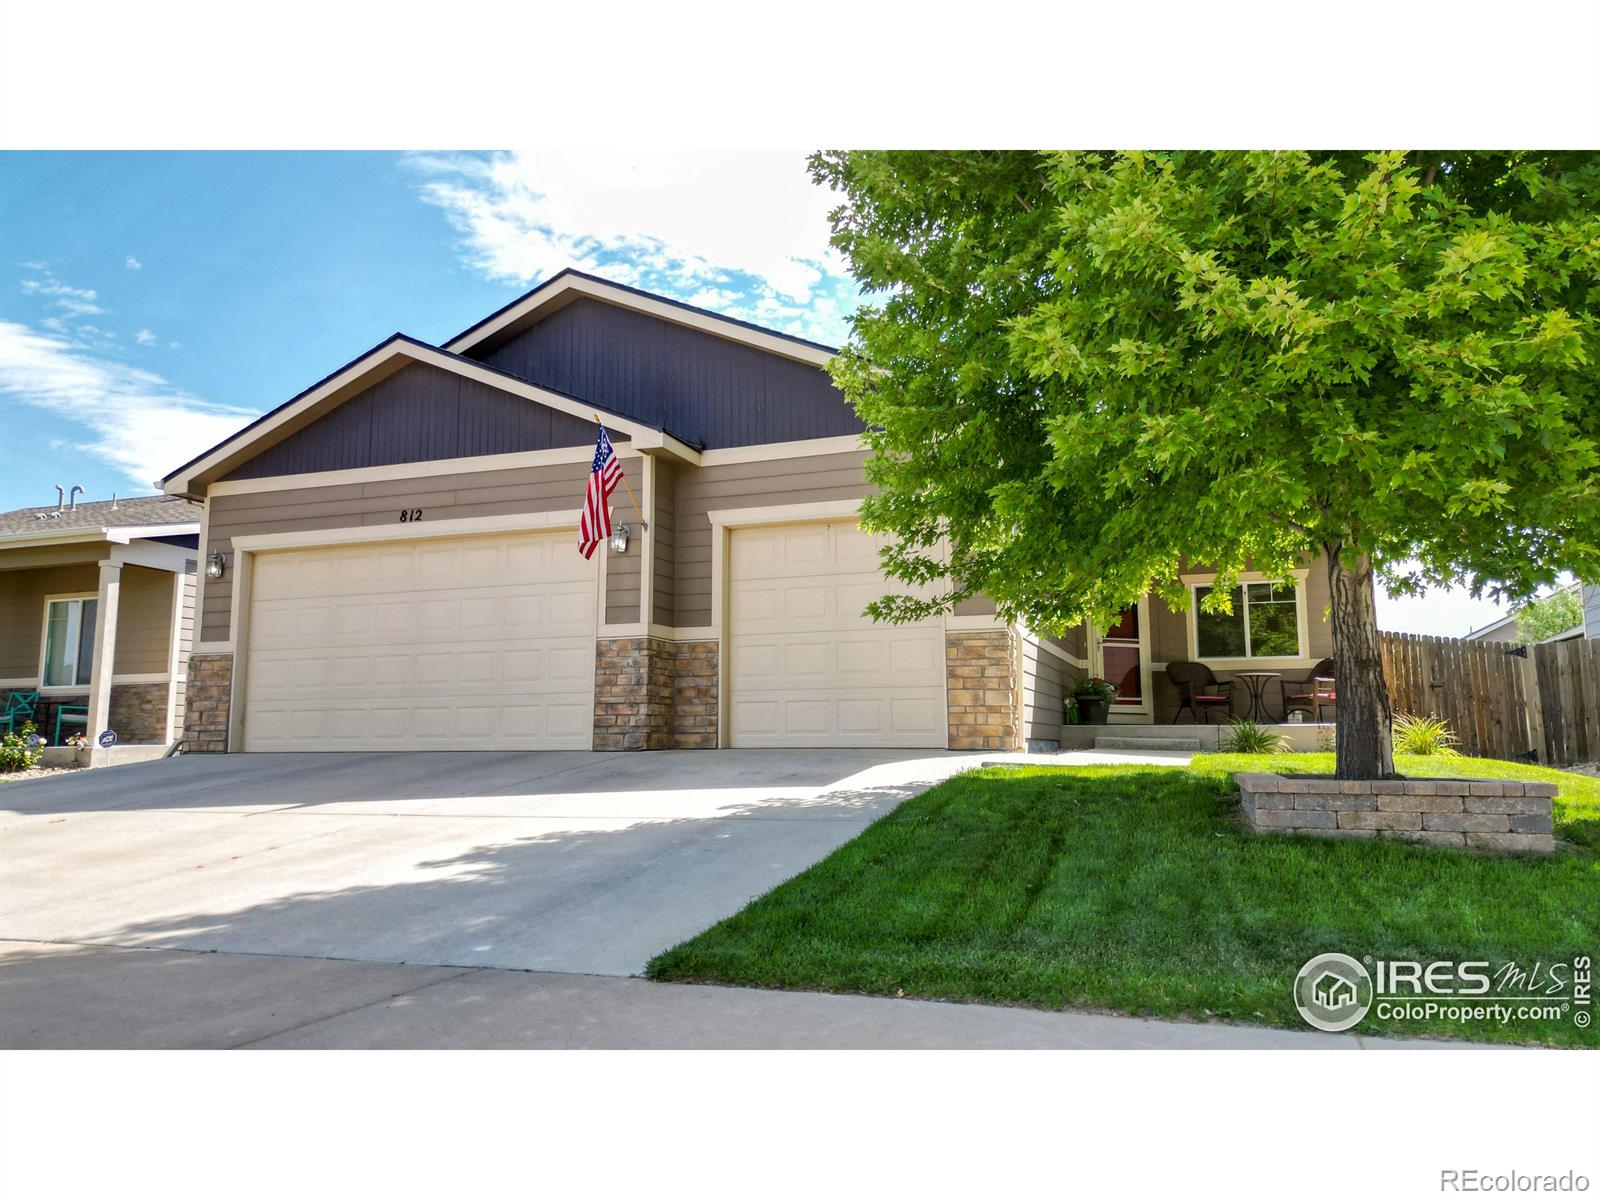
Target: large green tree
(1085, 369)
(1547, 616)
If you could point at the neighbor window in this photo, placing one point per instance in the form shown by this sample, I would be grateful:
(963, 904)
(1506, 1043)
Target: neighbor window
(69, 642)
(1264, 623)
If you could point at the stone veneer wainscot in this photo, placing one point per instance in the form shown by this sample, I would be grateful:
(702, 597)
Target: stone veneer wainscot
(985, 711)
(1470, 814)
(208, 696)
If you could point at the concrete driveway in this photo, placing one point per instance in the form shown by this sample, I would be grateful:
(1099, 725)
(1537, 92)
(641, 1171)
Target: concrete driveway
(571, 862)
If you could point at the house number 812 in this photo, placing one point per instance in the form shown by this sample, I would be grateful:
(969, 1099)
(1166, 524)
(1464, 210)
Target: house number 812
(411, 514)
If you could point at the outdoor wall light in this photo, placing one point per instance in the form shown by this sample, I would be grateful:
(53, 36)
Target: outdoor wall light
(215, 565)
(619, 540)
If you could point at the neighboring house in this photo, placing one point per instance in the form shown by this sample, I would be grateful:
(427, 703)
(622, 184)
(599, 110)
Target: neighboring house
(1505, 629)
(1502, 630)
(96, 614)
(1591, 610)
(392, 561)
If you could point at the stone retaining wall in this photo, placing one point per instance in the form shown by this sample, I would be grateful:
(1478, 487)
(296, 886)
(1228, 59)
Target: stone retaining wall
(1470, 814)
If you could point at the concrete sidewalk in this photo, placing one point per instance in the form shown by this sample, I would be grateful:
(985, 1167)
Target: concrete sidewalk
(97, 997)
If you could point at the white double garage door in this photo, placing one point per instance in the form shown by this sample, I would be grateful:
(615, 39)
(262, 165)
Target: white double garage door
(488, 643)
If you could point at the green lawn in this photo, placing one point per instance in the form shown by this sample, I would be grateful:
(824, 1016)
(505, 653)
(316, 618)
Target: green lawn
(1132, 889)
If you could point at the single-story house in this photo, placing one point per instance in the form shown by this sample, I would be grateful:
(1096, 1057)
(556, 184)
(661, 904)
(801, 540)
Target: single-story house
(96, 616)
(391, 559)
(1505, 629)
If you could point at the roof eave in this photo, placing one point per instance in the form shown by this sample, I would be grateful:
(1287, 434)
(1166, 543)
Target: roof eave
(120, 534)
(528, 304)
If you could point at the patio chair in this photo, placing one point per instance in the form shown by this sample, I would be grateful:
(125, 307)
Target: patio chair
(1312, 693)
(1199, 691)
(71, 714)
(20, 707)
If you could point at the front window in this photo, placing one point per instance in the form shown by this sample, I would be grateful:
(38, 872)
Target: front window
(1264, 623)
(69, 642)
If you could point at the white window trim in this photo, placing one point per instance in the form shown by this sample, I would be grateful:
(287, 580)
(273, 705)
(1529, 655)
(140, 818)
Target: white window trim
(60, 689)
(1195, 581)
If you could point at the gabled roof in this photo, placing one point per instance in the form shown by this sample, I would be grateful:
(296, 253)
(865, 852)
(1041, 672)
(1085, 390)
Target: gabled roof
(165, 515)
(562, 287)
(384, 358)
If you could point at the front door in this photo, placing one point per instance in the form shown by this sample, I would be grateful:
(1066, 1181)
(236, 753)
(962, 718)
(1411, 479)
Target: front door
(1123, 654)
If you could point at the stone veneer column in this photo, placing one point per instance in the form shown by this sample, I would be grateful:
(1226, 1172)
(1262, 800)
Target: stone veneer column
(984, 690)
(694, 696)
(207, 698)
(633, 693)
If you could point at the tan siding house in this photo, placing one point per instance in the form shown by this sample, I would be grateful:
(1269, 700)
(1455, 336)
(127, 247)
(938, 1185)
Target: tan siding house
(395, 564)
(96, 621)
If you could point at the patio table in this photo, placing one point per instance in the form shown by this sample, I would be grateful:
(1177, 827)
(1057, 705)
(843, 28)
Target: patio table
(1256, 681)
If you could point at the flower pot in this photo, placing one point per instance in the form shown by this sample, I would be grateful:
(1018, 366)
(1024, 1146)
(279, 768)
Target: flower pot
(1092, 710)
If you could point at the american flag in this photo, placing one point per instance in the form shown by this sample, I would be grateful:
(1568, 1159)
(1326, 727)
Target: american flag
(594, 526)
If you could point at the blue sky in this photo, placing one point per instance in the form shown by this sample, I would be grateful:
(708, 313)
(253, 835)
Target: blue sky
(151, 303)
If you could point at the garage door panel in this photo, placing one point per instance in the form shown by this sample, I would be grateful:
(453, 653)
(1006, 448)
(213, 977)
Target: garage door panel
(806, 667)
(477, 643)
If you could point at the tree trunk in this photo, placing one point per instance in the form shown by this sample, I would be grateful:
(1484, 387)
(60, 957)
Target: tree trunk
(1365, 739)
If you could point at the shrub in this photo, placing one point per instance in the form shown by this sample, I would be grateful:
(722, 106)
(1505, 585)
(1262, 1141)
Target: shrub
(1424, 735)
(1095, 688)
(17, 752)
(1246, 737)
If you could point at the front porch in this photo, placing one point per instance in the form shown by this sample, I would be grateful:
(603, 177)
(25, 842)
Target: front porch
(1303, 738)
(95, 623)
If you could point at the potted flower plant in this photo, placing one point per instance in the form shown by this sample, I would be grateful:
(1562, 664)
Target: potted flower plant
(1093, 697)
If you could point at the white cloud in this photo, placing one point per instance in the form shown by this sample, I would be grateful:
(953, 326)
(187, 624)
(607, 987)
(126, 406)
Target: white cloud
(132, 419)
(145, 338)
(76, 302)
(678, 223)
(132, 263)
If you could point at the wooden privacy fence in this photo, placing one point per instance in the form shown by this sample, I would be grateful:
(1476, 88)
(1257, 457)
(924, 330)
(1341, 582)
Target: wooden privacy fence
(1503, 701)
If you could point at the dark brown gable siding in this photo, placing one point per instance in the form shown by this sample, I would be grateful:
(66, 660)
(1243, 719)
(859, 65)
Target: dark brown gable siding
(417, 414)
(705, 389)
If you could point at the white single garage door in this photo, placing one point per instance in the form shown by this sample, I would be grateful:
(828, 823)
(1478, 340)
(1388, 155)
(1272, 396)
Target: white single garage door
(476, 643)
(805, 668)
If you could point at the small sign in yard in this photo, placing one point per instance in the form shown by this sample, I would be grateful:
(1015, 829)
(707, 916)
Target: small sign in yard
(107, 738)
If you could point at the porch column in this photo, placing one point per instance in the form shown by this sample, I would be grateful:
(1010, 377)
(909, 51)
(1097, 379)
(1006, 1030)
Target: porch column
(105, 643)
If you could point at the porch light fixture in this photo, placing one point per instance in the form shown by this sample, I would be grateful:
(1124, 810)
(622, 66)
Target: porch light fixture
(619, 540)
(215, 565)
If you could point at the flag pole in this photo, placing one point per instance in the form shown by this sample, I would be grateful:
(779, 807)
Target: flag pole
(627, 487)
